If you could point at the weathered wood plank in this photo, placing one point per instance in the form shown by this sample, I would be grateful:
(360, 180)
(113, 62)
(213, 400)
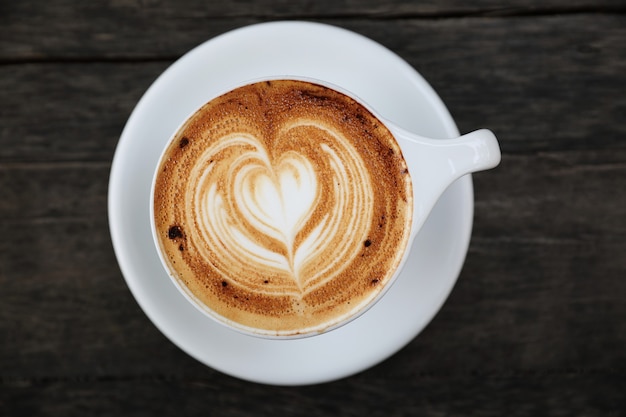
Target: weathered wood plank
(68, 112)
(558, 196)
(43, 191)
(555, 321)
(545, 84)
(536, 324)
(538, 289)
(541, 290)
(33, 29)
(541, 84)
(535, 305)
(66, 309)
(570, 393)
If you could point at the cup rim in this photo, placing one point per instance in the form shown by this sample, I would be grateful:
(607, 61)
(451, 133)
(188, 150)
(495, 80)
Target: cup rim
(356, 312)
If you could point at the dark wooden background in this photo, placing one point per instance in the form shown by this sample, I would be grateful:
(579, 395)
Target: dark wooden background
(537, 322)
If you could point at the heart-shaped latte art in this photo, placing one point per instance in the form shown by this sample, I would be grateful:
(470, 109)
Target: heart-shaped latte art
(277, 215)
(278, 201)
(283, 206)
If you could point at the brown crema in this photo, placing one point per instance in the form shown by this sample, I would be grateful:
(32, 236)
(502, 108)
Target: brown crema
(283, 207)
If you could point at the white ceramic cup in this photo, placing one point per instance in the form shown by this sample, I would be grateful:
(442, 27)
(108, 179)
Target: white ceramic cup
(433, 164)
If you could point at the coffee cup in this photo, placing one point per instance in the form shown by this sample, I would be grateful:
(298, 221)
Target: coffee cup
(286, 207)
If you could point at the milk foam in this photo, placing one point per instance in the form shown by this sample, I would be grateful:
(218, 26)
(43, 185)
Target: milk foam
(252, 210)
(283, 206)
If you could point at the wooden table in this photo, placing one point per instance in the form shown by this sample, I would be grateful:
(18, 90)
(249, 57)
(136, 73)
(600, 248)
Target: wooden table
(536, 324)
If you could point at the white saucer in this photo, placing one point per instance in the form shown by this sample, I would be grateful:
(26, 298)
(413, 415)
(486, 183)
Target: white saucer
(327, 53)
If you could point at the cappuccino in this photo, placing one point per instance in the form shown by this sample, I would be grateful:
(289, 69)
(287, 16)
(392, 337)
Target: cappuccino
(282, 207)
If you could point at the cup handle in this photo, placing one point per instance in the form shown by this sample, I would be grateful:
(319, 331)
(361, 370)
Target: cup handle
(434, 164)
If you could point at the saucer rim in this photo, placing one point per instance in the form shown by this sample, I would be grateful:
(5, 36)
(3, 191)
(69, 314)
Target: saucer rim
(464, 185)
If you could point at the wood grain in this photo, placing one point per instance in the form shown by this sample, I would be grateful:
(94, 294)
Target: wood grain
(75, 112)
(536, 324)
(549, 85)
(534, 309)
(563, 394)
(61, 29)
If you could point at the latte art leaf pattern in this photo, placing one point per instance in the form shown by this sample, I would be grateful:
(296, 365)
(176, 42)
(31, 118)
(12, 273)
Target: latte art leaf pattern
(282, 207)
(255, 208)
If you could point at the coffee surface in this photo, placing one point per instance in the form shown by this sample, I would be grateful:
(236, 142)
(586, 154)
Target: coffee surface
(283, 206)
